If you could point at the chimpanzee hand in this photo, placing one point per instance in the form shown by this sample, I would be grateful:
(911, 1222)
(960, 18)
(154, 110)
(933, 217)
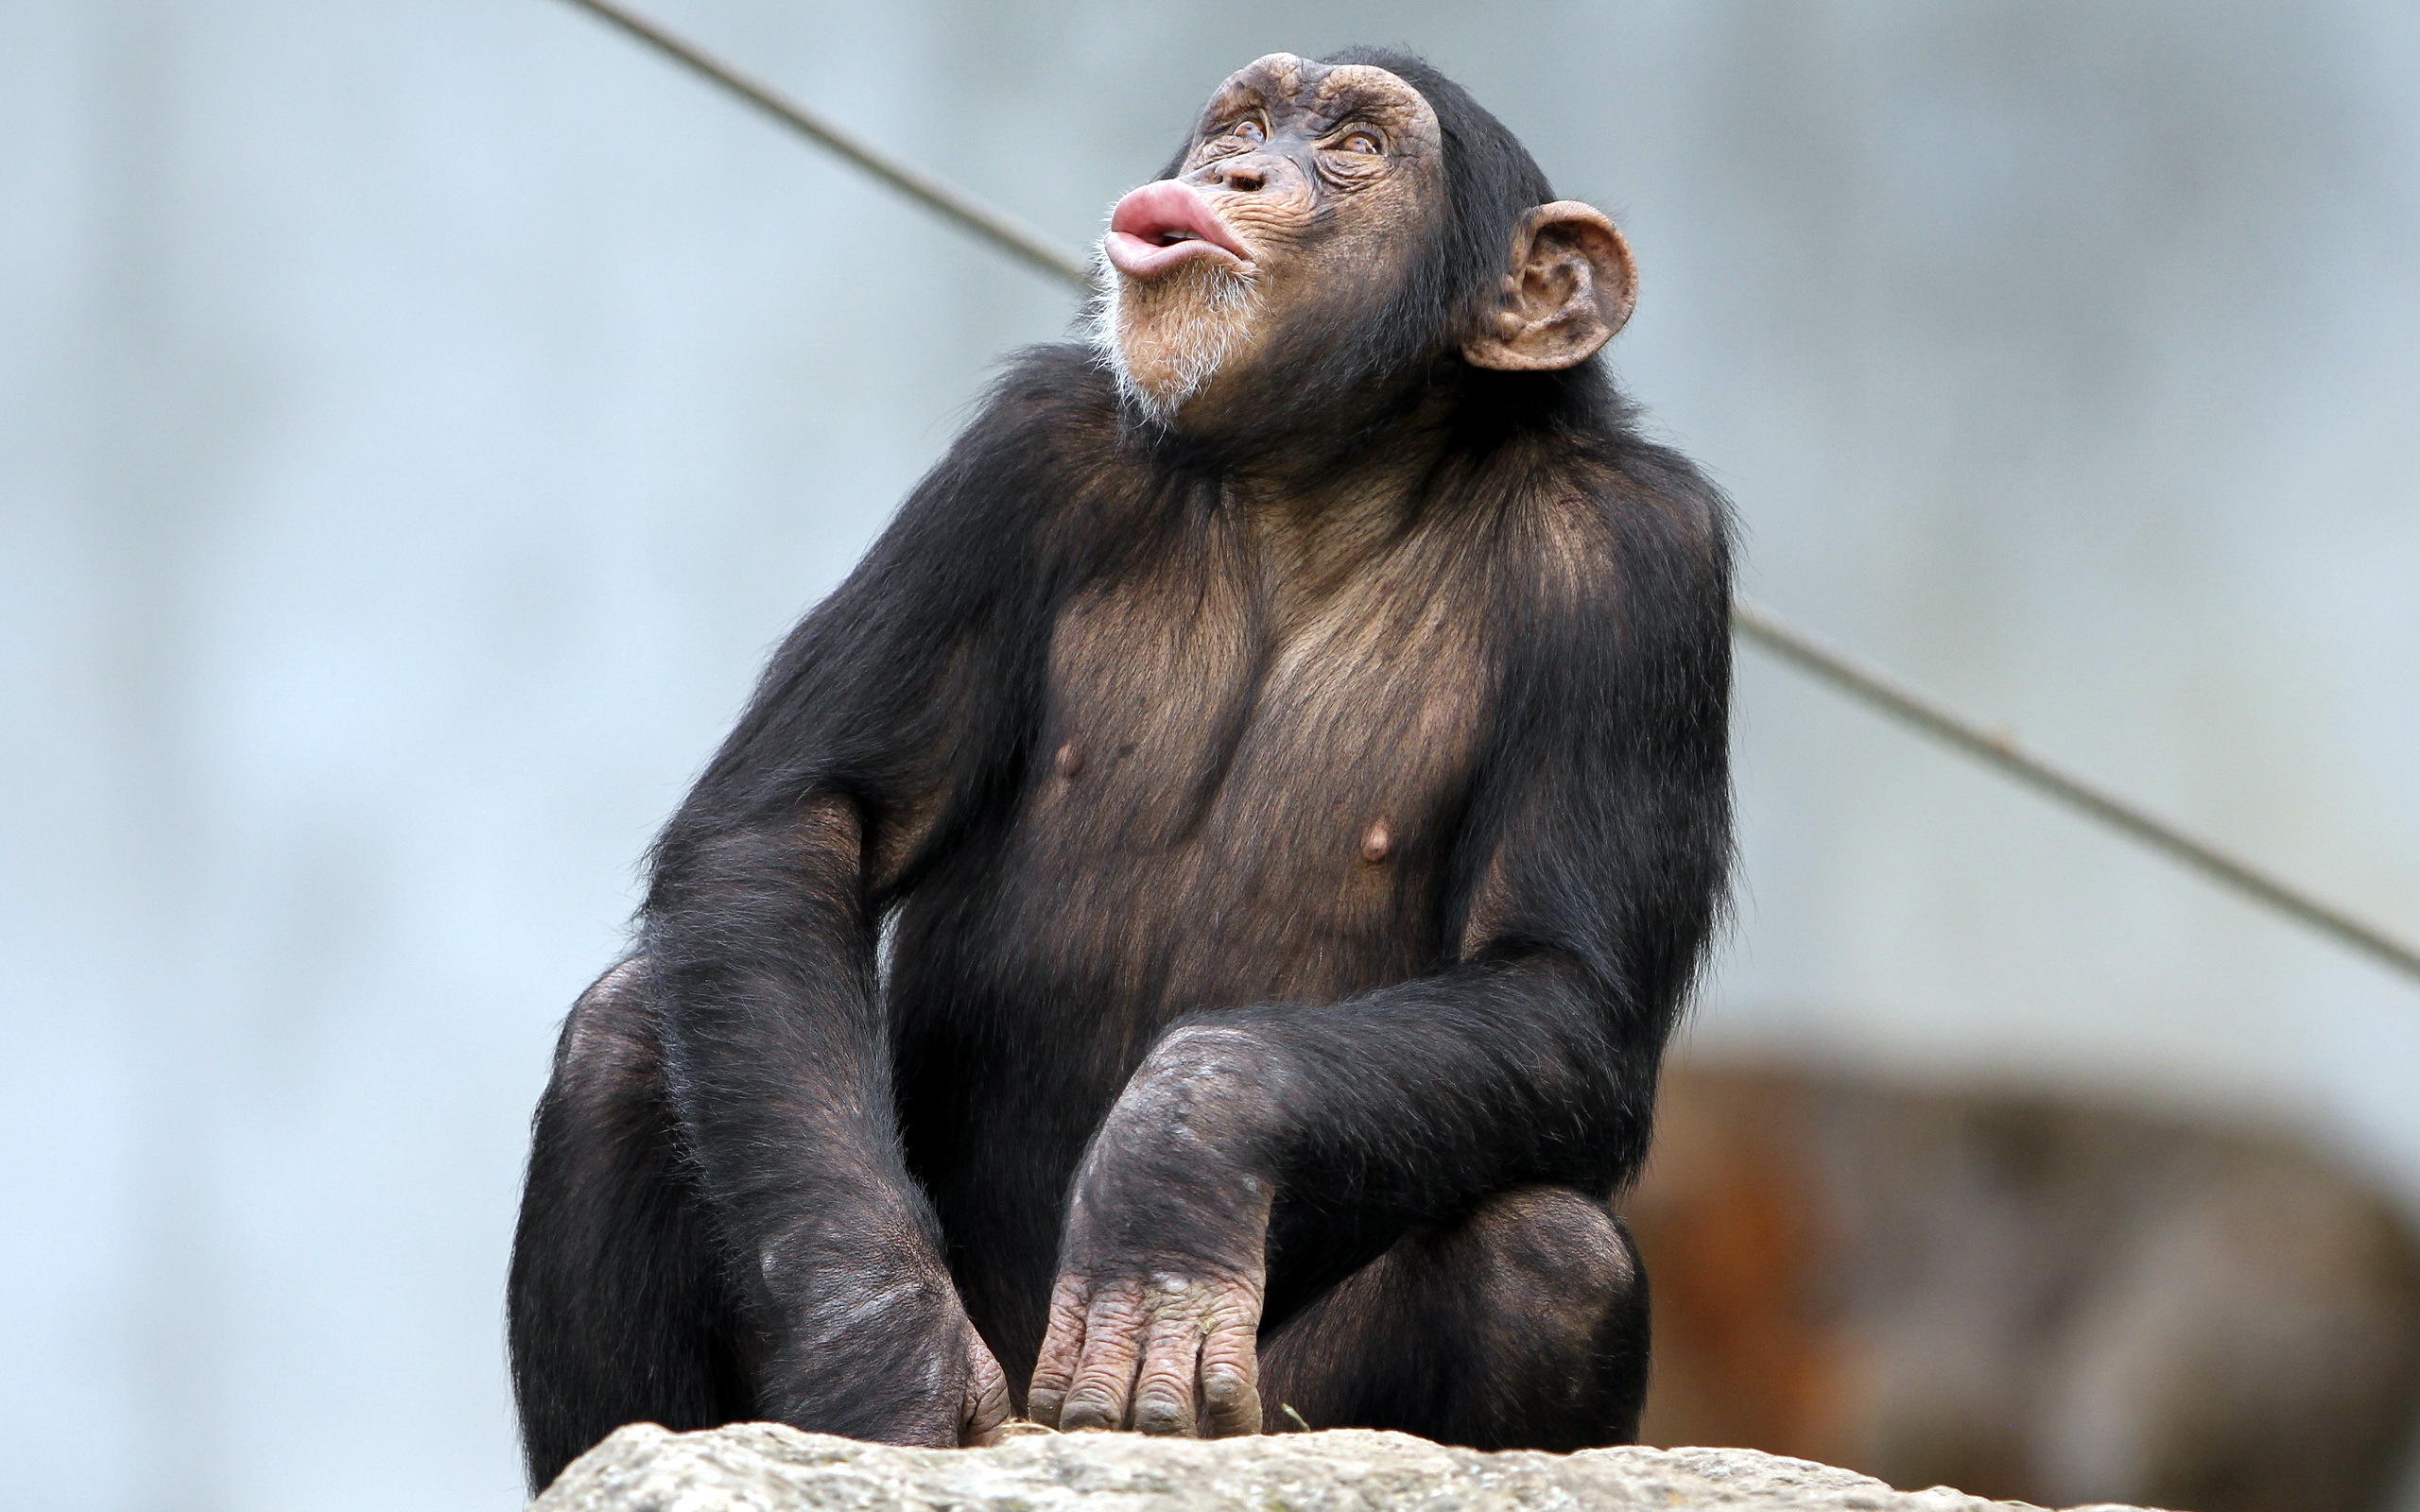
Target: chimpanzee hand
(983, 1395)
(876, 1345)
(1154, 1316)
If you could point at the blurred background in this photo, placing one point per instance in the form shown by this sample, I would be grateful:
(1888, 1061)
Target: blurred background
(416, 420)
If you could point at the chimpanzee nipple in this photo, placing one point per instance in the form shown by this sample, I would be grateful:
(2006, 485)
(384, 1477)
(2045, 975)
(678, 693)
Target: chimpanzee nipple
(1070, 759)
(1379, 843)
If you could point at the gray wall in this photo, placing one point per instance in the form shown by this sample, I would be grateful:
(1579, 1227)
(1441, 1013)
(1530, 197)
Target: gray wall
(416, 419)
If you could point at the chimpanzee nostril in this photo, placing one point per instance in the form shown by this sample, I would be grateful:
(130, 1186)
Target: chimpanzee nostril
(1244, 181)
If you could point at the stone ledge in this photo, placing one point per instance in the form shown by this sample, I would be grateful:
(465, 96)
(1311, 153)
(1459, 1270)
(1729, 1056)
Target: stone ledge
(767, 1467)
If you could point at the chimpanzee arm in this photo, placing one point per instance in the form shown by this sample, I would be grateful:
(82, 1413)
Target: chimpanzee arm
(1596, 852)
(884, 721)
(1594, 858)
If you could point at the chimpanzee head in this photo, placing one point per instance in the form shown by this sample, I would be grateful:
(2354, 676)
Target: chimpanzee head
(1337, 235)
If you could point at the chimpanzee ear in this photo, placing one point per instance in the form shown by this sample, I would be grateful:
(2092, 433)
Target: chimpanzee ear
(1570, 288)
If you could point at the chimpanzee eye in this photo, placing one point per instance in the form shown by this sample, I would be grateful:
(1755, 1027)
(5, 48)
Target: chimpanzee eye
(1249, 131)
(1360, 142)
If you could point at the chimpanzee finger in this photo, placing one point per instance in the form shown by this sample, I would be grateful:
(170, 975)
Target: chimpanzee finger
(1170, 1372)
(1105, 1379)
(986, 1394)
(1062, 1348)
(1231, 1380)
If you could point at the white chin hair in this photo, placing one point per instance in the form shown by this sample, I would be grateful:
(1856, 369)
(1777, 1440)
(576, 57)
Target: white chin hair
(1166, 338)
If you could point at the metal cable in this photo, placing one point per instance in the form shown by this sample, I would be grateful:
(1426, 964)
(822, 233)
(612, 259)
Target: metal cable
(1870, 686)
(1878, 690)
(996, 226)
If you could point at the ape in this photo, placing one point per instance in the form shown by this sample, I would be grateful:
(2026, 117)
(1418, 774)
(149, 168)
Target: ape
(2027, 1293)
(1283, 744)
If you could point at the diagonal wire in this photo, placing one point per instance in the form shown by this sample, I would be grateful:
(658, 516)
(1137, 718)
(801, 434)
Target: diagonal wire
(1880, 690)
(1869, 685)
(994, 225)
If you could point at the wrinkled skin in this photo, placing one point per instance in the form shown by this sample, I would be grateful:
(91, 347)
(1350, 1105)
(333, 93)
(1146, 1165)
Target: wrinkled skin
(1153, 1318)
(1323, 179)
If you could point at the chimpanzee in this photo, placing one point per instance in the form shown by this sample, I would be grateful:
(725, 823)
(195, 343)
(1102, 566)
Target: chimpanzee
(1192, 922)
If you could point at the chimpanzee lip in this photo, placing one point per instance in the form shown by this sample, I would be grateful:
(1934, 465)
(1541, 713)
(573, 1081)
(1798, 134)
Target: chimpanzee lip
(1163, 224)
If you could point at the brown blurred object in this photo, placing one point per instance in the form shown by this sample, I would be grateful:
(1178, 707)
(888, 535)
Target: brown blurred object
(2024, 1297)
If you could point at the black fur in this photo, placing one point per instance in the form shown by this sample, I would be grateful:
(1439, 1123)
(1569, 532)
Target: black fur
(755, 1129)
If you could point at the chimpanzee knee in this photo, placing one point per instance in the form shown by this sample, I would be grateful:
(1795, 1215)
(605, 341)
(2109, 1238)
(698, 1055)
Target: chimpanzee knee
(1521, 1326)
(615, 1311)
(1557, 1307)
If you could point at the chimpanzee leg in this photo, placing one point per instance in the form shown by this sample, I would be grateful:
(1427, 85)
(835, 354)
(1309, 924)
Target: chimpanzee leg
(1524, 1326)
(616, 1309)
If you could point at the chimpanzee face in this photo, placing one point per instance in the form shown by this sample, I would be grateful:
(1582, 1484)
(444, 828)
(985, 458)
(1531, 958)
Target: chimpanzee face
(1306, 193)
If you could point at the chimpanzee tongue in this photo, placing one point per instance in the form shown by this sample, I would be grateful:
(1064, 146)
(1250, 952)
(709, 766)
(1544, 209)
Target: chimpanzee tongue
(1163, 224)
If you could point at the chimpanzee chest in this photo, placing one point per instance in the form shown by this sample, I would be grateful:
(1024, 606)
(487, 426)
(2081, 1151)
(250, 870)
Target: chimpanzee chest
(1241, 798)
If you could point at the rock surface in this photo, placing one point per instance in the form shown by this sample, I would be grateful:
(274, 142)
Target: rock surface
(766, 1468)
